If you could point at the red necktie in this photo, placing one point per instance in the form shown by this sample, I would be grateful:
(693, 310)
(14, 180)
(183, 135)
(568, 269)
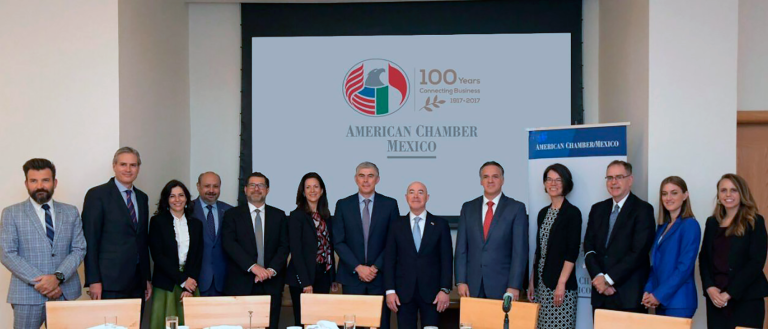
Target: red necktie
(488, 219)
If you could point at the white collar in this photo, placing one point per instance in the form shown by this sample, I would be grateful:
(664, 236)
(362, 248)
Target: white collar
(251, 207)
(40, 206)
(495, 200)
(422, 215)
(621, 202)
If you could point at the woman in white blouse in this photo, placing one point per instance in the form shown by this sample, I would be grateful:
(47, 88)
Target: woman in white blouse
(176, 245)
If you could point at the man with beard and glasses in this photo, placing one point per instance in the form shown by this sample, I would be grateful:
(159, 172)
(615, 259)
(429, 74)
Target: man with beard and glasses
(43, 245)
(210, 210)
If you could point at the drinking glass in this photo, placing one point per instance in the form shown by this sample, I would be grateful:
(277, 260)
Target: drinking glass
(172, 322)
(349, 321)
(465, 325)
(110, 321)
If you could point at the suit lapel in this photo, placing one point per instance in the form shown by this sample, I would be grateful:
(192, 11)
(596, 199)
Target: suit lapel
(427, 239)
(31, 213)
(375, 214)
(220, 209)
(247, 224)
(671, 231)
(405, 224)
(477, 209)
(119, 203)
(623, 214)
(58, 226)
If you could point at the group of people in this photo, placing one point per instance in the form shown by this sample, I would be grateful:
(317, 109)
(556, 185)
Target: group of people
(205, 247)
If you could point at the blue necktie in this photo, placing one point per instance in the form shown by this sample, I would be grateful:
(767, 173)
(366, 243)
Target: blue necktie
(417, 233)
(48, 222)
(612, 222)
(131, 208)
(211, 228)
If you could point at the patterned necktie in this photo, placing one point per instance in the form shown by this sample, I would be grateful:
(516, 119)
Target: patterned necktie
(131, 208)
(48, 222)
(210, 225)
(417, 233)
(259, 239)
(611, 222)
(366, 227)
(488, 220)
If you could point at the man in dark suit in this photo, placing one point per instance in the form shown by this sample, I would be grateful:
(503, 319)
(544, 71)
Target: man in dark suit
(418, 263)
(210, 211)
(360, 227)
(115, 224)
(255, 237)
(618, 240)
(492, 241)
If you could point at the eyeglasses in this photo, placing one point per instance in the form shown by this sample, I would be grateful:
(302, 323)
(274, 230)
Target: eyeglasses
(255, 186)
(556, 181)
(617, 178)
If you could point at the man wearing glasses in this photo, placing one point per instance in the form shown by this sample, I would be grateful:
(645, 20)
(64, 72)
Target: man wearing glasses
(255, 237)
(618, 240)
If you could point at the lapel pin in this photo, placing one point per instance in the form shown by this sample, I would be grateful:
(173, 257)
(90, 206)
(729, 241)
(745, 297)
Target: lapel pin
(431, 223)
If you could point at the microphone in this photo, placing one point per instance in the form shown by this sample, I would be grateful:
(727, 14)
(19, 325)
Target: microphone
(507, 305)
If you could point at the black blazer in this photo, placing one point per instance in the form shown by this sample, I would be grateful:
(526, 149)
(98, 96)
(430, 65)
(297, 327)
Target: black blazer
(114, 244)
(745, 261)
(302, 237)
(165, 251)
(239, 241)
(627, 258)
(563, 245)
(425, 272)
(348, 236)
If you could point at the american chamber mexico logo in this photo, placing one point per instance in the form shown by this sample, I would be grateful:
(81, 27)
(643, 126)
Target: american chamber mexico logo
(376, 87)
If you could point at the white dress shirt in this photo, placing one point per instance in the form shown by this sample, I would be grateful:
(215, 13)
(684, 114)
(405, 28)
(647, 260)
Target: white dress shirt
(485, 206)
(181, 230)
(263, 216)
(41, 213)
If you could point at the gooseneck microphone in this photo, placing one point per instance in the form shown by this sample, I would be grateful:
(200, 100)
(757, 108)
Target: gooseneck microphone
(506, 306)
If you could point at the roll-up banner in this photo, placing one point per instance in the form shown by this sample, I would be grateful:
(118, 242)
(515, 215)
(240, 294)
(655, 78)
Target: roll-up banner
(586, 150)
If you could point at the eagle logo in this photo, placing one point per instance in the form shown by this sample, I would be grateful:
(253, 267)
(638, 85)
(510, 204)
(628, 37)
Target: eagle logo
(376, 87)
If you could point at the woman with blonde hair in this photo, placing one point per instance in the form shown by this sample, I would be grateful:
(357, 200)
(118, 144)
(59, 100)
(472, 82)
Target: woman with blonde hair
(732, 257)
(671, 288)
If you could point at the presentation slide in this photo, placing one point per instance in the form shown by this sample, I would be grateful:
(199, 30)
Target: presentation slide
(429, 108)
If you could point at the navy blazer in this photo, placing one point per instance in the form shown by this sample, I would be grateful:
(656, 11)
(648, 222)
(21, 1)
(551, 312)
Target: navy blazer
(425, 271)
(673, 260)
(348, 237)
(114, 244)
(500, 262)
(214, 265)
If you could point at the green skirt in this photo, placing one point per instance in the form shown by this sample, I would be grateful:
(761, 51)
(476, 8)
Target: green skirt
(166, 303)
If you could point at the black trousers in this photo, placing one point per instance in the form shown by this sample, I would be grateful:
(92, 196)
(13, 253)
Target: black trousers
(322, 285)
(276, 303)
(742, 313)
(366, 289)
(407, 312)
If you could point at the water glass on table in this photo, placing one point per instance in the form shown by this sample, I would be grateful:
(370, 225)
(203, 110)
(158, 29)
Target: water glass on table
(465, 325)
(349, 321)
(171, 322)
(110, 321)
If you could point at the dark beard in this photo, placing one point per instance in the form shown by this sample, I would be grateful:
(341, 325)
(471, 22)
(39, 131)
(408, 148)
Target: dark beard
(43, 197)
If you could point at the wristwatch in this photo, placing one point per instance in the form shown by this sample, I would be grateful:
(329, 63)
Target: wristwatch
(446, 290)
(59, 276)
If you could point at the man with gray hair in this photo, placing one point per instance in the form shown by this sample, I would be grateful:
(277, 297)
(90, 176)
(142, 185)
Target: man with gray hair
(115, 222)
(210, 211)
(360, 227)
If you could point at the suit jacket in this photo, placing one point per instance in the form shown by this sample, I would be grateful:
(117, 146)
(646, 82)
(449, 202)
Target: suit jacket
(302, 236)
(745, 261)
(239, 242)
(625, 259)
(673, 260)
(114, 244)
(500, 262)
(165, 251)
(214, 264)
(409, 271)
(563, 245)
(348, 237)
(26, 250)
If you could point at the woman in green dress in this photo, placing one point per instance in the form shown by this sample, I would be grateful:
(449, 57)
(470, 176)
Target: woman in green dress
(176, 245)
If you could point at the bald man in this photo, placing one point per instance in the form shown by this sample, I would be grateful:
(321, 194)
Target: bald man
(210, 211)
(418, 263)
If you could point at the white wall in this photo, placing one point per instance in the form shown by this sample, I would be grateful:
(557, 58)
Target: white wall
(692, 103)
(214, 89)
(753, 55)
(623, 78)
(58, 98)
(154, 90)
